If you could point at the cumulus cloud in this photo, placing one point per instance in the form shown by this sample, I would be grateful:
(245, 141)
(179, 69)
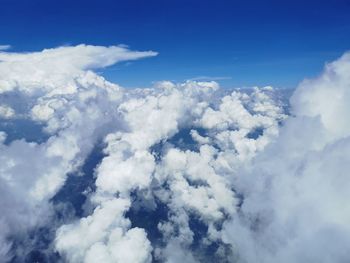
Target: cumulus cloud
(295, 197)
(196, 187)
(6, 112)
(326, 97)
(53, 69)
(105, 237)
(189, 172)
(75, 108)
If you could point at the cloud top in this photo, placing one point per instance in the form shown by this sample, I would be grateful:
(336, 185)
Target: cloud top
(56, 67)
(186, 171)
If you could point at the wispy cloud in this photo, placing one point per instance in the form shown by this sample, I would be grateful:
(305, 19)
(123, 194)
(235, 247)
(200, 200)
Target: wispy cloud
(208, 78)
(4, 47)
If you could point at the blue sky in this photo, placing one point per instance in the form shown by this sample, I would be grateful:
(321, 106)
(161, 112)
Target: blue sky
(238, 43)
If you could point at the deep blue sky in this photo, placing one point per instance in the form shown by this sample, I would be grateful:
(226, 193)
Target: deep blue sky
(243, 42)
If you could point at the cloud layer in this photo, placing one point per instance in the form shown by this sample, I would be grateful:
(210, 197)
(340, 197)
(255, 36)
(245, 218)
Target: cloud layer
(295, 206)
(189, 172)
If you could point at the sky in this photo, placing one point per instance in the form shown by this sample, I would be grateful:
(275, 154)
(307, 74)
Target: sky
(181, 172)
(237, 43)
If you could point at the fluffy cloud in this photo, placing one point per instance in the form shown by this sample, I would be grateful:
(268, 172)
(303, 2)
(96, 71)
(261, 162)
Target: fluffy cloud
(197, 188)
(6, 112)
(75, 108)
(53, 69)
(295, 198)
(105, 237)
(186, 169)
(326, 97)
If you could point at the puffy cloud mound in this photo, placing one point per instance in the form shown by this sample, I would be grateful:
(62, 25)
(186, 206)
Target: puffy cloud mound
(188, 171)
(6, 112)
(53, 69)
(296, 191)
(76, 109)
(146, 167)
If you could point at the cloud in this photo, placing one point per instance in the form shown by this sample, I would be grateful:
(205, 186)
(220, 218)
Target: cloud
(295, 193)
(186, 168)
(208, 78)
(312, 98)
(6, 112)
(106, 237)
(4, 47)
(152, 117)
(75, 117)
(55, 69)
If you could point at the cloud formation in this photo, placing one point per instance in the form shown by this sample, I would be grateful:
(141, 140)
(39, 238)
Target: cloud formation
(189, 172)
(6, 112)
(295, 197)
(53, 69)
(195, 185)
(76, 109)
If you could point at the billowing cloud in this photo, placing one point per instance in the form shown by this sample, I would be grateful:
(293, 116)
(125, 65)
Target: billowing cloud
(6, 112)
(54, 69)
(295, 192)
(188, 171)
(197, 185)
(75, 108)
(326, 97)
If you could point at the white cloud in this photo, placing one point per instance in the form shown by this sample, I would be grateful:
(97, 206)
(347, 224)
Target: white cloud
(153, 116)
(295, 192)
(55, 69)
(6, 112)
(4, 47)
(208, 78)
(190, 148)
(327, 97)
(106, 237)
(77, 108)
